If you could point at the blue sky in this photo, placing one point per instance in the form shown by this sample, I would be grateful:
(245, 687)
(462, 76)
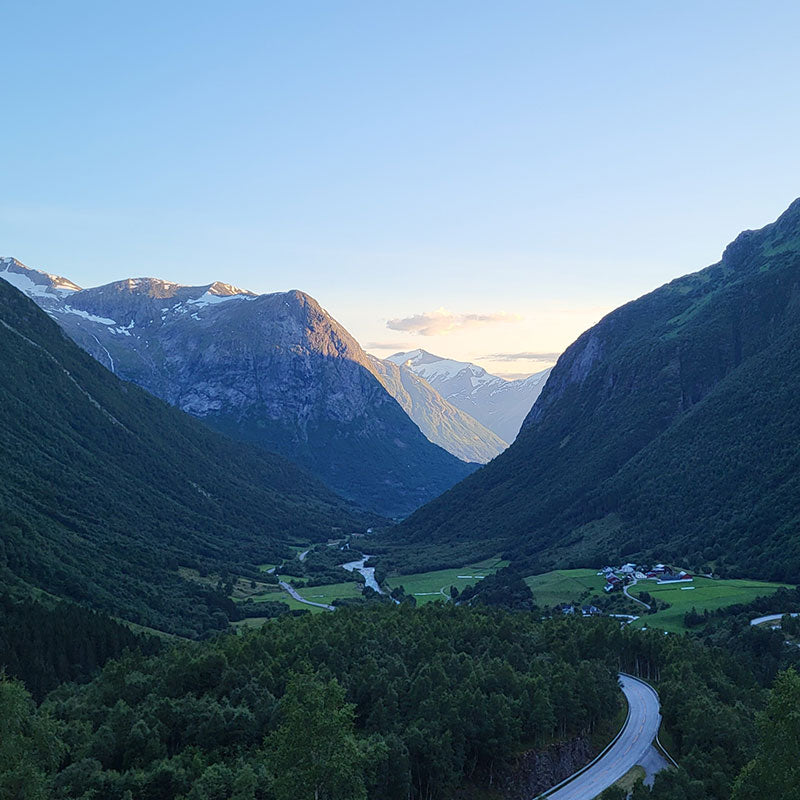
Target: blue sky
(504, 172)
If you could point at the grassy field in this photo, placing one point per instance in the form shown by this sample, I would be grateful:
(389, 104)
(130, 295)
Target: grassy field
(428, 586)
(316, 594)
(565, 586)
(702, 594)
(330, 592)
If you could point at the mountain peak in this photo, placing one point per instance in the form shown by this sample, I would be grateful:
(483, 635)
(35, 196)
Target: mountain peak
(417, 357)
(226, 289)
(34, 281)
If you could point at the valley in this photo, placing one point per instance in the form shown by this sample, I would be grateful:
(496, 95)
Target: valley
(243, 582)
(674, 607)
(400, 401)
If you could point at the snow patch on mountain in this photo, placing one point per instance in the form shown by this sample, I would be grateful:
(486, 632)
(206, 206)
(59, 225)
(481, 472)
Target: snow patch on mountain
(89, 317)
(33, 282)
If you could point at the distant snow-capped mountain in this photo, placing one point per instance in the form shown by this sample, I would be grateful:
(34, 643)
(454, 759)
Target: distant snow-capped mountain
(278, 370)
(499, 404)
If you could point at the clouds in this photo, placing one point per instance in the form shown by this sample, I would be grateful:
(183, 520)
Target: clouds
(526, 356)
(441, 321)
(393, 346)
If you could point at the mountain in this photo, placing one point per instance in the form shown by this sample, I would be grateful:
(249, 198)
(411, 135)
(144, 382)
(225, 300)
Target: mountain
(107, 492)
(670, 429)
(274, 369)
(440, 421)
(498, 404)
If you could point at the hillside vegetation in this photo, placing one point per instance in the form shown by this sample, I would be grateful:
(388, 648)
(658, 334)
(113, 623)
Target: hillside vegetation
(669, 430)
(105, 491)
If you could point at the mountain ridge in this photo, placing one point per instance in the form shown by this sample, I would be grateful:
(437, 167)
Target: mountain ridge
(106, 491)
(273, 369)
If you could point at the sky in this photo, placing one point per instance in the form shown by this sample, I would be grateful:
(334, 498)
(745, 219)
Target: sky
(482, 180)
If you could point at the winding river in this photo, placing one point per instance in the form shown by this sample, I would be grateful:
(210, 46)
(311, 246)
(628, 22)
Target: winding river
(367, 572)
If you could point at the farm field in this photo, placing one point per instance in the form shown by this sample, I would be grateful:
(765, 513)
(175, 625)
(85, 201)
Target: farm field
(702, 594)
(428, 586)
(565, 586)
(327, 593)
(274, 593)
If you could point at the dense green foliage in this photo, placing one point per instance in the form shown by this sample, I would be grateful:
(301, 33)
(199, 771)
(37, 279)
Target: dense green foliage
(506, 589)
(46, 645)
(439, 694)
(30, 745)
(314, 752)
(775, 771)
(105, 491)
(389, 701)
(712, 692)
(670, 430)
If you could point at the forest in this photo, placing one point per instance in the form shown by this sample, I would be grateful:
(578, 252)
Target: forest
(378, 701)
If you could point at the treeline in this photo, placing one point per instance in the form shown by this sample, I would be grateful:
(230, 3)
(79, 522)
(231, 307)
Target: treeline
(440, 696)
(391, 703)
(46, 646)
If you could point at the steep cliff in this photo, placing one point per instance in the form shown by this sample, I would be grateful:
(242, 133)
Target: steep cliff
(671, 427)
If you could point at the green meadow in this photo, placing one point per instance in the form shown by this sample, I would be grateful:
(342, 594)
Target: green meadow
(565, 586)
(702, 594)
(329, 592)
(435, 585)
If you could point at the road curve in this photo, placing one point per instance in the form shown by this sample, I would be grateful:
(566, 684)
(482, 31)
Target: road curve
(631, 597)
(771, 618)
(291, 590)
(629, 749)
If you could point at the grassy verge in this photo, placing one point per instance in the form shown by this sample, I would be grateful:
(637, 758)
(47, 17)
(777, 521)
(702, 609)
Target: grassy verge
(629, 779)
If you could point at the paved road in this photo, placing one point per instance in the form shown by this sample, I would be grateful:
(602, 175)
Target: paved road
(631, 597)
(288, 588)
(770, 618)
(630, 749)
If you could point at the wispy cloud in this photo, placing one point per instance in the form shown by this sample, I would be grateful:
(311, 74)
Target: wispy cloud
(393, 346)
(526, 356)
(441, 321)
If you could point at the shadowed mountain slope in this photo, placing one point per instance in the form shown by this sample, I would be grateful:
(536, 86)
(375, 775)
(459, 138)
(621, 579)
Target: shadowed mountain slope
(671, 428)
(106, 492)
(275, 369)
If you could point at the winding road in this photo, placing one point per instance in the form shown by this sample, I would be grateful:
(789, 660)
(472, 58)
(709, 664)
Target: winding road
(632, 746)
(631, 597)
(289, 588)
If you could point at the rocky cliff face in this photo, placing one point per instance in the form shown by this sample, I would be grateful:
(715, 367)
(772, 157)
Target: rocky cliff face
(274, 369)
(440, 421)
(670, 427)
(537, 770)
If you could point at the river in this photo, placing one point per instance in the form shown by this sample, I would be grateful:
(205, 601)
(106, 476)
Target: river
(367, 572)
